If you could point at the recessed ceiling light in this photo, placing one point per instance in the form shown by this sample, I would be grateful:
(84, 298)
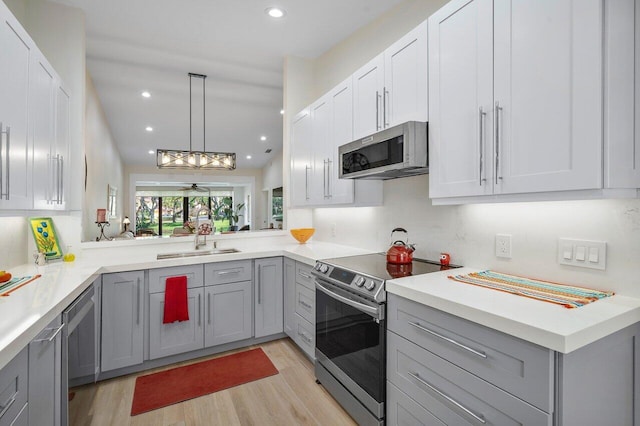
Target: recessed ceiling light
(151, 151)
(248, 157)
(281, 112)
(149, 129)
(146, 94)
(275, 12)
(263, 138)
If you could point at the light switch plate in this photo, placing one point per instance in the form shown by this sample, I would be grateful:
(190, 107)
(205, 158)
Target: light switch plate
(586, 254)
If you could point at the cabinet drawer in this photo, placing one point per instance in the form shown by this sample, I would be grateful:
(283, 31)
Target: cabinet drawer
(304, 277)
(158, 277)
(451, 394)
(404, 411)
(305, 336)
(13, 387)
(512, 364)
(306, 303)
(227, 272)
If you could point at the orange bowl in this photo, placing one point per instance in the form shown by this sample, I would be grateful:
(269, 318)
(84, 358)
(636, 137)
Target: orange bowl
(302, 234)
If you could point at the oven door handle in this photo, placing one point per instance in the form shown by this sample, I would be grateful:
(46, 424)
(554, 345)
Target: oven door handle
(374, 312)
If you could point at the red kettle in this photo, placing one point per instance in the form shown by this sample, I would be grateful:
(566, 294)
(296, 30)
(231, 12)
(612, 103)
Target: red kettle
(400, 252)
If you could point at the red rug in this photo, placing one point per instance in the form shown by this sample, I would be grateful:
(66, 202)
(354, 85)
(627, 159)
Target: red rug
(191, 381)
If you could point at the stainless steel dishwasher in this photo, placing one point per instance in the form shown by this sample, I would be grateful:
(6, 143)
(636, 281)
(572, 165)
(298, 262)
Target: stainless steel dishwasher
(79, 315)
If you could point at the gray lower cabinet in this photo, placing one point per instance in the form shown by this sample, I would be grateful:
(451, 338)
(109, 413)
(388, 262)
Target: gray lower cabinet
(299, 305)
(122, 319)
(228, 313)
(289, 297)
(84, 344)
(45, 363)
(176, 337)
(462, 373)
(22, 419)
(268, 300)
(14, 390)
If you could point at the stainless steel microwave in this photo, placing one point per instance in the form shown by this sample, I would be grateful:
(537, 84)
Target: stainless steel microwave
(395, 152)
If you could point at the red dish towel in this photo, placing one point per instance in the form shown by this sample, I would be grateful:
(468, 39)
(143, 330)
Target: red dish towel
(176, 307)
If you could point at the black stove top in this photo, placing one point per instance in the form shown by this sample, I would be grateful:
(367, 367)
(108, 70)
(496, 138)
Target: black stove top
(366, 274)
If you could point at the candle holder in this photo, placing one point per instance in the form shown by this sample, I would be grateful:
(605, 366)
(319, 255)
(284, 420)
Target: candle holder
(102, 235)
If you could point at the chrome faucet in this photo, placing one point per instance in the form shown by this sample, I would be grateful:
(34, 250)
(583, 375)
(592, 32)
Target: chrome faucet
(198, 242)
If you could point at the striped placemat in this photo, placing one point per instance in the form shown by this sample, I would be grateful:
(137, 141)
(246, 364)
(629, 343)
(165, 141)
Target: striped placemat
(561, 294)
(15, 283)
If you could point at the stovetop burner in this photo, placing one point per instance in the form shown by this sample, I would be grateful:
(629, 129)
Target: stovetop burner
(366, 274)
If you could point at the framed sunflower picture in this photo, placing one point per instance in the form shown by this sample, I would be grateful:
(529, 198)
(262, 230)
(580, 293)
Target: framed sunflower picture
(45, 235)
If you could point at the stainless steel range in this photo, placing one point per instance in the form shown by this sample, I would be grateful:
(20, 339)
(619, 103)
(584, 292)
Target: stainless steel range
(351, 328)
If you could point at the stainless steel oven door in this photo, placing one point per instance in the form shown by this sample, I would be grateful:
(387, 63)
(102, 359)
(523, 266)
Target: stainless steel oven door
(350, 343)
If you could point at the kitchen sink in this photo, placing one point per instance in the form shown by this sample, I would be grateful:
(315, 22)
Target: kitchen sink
(196, 253)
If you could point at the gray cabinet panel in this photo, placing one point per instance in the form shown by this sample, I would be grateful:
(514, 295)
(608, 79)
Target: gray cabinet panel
(227, 272)
(268, 296)
(598, 383)
(228, 313)
(289, 297)
(158, 277)
(404, 411)
(519, 367)
(452, 394)
(45, 363)
(13, 387)
(306, 303)
(122, 319)
(22, 419)
(305, 336)
(304, 277)
(177, 337)
(81, 344)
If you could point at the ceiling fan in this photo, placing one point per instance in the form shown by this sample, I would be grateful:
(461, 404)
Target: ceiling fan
(196, 188)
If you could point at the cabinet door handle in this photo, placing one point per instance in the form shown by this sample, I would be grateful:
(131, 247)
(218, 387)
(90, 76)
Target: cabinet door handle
(138, 301)
(498, 141)
(481, 143)
(209, 308)
(233, 271)
(377, 110)
(324, 177)
(306, 182)
(199, 310)
(385, 99)
(8, 404)
(61, 177)
(329, 178)
(8, 174)
(259, 284)
(305, 337)
(478, 417)
(447, 339)
(302, 274)
(306, 305)
(53, 335)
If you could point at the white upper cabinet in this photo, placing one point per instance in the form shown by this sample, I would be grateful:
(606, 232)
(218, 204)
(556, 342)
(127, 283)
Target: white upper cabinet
(368, 89)
(460, 99)
(43, 91)
(622, 94)
(515, 97)
(301, 159)
(16, 49)
(392, 87)
(340, 191)
(321, 149)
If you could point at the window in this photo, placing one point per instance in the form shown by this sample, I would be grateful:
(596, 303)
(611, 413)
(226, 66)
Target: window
(166, 212)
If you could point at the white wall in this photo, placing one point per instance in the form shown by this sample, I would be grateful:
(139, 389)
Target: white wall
(272, 172)
(104, 168)
(466, 232)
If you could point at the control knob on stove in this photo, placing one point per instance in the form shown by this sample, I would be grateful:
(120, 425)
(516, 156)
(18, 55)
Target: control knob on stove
(370, 285)
(324, 268)
(317, 267)
(360, 281)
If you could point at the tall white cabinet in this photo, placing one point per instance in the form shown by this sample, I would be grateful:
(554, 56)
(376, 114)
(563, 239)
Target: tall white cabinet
(515, 97)
(35, 118)
(15, 148)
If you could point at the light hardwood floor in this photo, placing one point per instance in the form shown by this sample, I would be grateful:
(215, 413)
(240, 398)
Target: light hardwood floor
(291, 397)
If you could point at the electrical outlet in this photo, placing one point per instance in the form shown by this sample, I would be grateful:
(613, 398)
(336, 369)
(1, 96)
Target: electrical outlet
(503, 245)
(333, 229)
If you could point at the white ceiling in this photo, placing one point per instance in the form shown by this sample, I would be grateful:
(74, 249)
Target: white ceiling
(153, 44)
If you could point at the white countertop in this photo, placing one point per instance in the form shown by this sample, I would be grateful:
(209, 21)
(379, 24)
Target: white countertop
(552, 326)
(28, 310)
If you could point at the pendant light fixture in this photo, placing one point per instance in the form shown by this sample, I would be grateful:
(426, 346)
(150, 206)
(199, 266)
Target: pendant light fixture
(178, 159)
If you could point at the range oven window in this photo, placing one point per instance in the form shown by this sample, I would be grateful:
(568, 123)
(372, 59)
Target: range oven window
(375, 155)
(354, 341)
